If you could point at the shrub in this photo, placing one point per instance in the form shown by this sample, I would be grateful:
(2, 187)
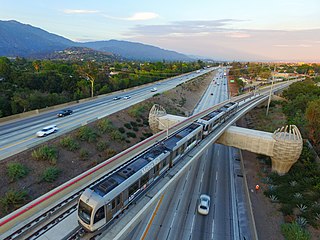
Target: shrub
(86, 133)
(137, 110)
(105, 125)
(101, 146)
(121, 130)
(127, 141)
(131, 134)
(109, 153)
(16, 171)
(69, 143)
(13, 200)
(116, 135)
(133, 124)
(46, 153)
(84, 154)
(135, 129)
(50, 174)
(147, 134)
(292, 231)
(138, 120)
(128, 125)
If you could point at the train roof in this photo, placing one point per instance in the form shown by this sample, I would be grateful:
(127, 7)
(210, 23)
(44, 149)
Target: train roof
(127, 170)
(211, 115)
(173, 140)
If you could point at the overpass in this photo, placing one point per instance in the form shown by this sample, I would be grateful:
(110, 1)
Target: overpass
(284, 146)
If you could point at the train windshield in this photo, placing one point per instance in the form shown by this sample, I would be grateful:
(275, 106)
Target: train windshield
(84, 212)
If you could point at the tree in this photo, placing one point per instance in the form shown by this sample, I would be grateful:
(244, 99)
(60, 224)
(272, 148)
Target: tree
(5, 67)
(89, 72)
(313, 118)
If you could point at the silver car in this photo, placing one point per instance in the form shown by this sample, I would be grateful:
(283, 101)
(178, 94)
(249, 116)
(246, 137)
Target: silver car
(47, 130)
(204, 204)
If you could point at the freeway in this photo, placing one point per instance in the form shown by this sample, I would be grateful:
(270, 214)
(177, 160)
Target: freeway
(177, 216)
(19, 135)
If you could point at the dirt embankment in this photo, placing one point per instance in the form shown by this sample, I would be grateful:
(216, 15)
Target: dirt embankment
(180, 101)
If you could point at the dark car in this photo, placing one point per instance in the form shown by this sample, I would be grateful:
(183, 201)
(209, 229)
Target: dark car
(116, 98)
(65, 112)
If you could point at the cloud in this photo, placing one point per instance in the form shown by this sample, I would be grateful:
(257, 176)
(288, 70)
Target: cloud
(184, 28)
(143, 16)
(79, 11)
(140, 16)
(238, 35)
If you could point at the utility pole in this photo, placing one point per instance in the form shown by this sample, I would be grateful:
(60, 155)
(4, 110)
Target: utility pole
(269, 100)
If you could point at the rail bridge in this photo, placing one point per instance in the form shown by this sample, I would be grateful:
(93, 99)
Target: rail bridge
(284, 146)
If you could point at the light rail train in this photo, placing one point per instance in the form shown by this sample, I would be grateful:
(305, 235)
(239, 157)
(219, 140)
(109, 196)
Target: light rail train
(105, 200)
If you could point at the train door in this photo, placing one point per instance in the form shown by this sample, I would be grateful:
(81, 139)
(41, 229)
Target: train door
(99, 217)
(114, 207)
(157, 169)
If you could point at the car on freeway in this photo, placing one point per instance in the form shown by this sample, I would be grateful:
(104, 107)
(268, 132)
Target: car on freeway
(116, 98)
(154, 89)
(127, 97)
(64, 112)
(47, 130)
(204, 204)
(211, 94)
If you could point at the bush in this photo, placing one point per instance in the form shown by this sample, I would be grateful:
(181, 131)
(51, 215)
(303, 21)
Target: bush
(84, 154)
(128, 125)
(13, 200)
(292, 231)
(121, 130)
(101, 146)
(86, 133)
(109, 153)
(105, 125)
(116, 135)
(50, 174)
(135, 129)
(16, 171)
(133, 124)
(69, 143)
(46, 153)
(147, 134)
(131, 134)
(138, 120)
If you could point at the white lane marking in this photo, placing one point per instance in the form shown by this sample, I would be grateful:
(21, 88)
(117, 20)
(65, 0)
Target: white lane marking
(191, 230)
(216, 175)
(212, 230)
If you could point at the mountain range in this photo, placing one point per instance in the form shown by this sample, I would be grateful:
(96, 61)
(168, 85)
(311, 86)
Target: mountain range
(23, 40)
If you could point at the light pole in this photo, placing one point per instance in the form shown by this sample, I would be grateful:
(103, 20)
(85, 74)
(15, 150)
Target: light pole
(269, 100)
(166, 127)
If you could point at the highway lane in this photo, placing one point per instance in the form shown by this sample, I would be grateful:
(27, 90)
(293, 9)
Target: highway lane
(16, 136)
(177, 217)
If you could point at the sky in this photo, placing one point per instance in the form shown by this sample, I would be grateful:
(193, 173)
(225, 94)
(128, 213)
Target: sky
(247, 30)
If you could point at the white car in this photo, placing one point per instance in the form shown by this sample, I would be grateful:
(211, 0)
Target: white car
(127, 97)
(154, 89)
(204, 204)
(47, 130)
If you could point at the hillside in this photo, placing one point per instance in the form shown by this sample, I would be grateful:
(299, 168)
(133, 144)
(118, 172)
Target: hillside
(23, 40)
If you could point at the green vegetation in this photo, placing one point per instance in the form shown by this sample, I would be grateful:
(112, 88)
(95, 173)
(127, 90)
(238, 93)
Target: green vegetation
(27, 85)
(298, 191)
(121, 130)
(105, 125)
(69, 143)
(84, 154)
(292, 231)
(101, 146)
(85, 133)
(46, 153)
(138, 110)
(16, 171)
(131, 134)
(128, 125)
(50, 174)
(13, 200)
(116, 135)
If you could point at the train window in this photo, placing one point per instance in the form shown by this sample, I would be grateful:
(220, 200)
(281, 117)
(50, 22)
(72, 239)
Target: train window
(144, 179)
(99, 215)
(113, 204)
(118, 200)
(84, 211)
(133, 188)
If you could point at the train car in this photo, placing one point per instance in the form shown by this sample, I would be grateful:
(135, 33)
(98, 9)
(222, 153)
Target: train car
(101, 203)
(211, 121)
(229, 109)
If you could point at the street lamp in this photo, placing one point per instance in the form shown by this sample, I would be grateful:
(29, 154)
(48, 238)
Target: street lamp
(166, 126)
(269, 100)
